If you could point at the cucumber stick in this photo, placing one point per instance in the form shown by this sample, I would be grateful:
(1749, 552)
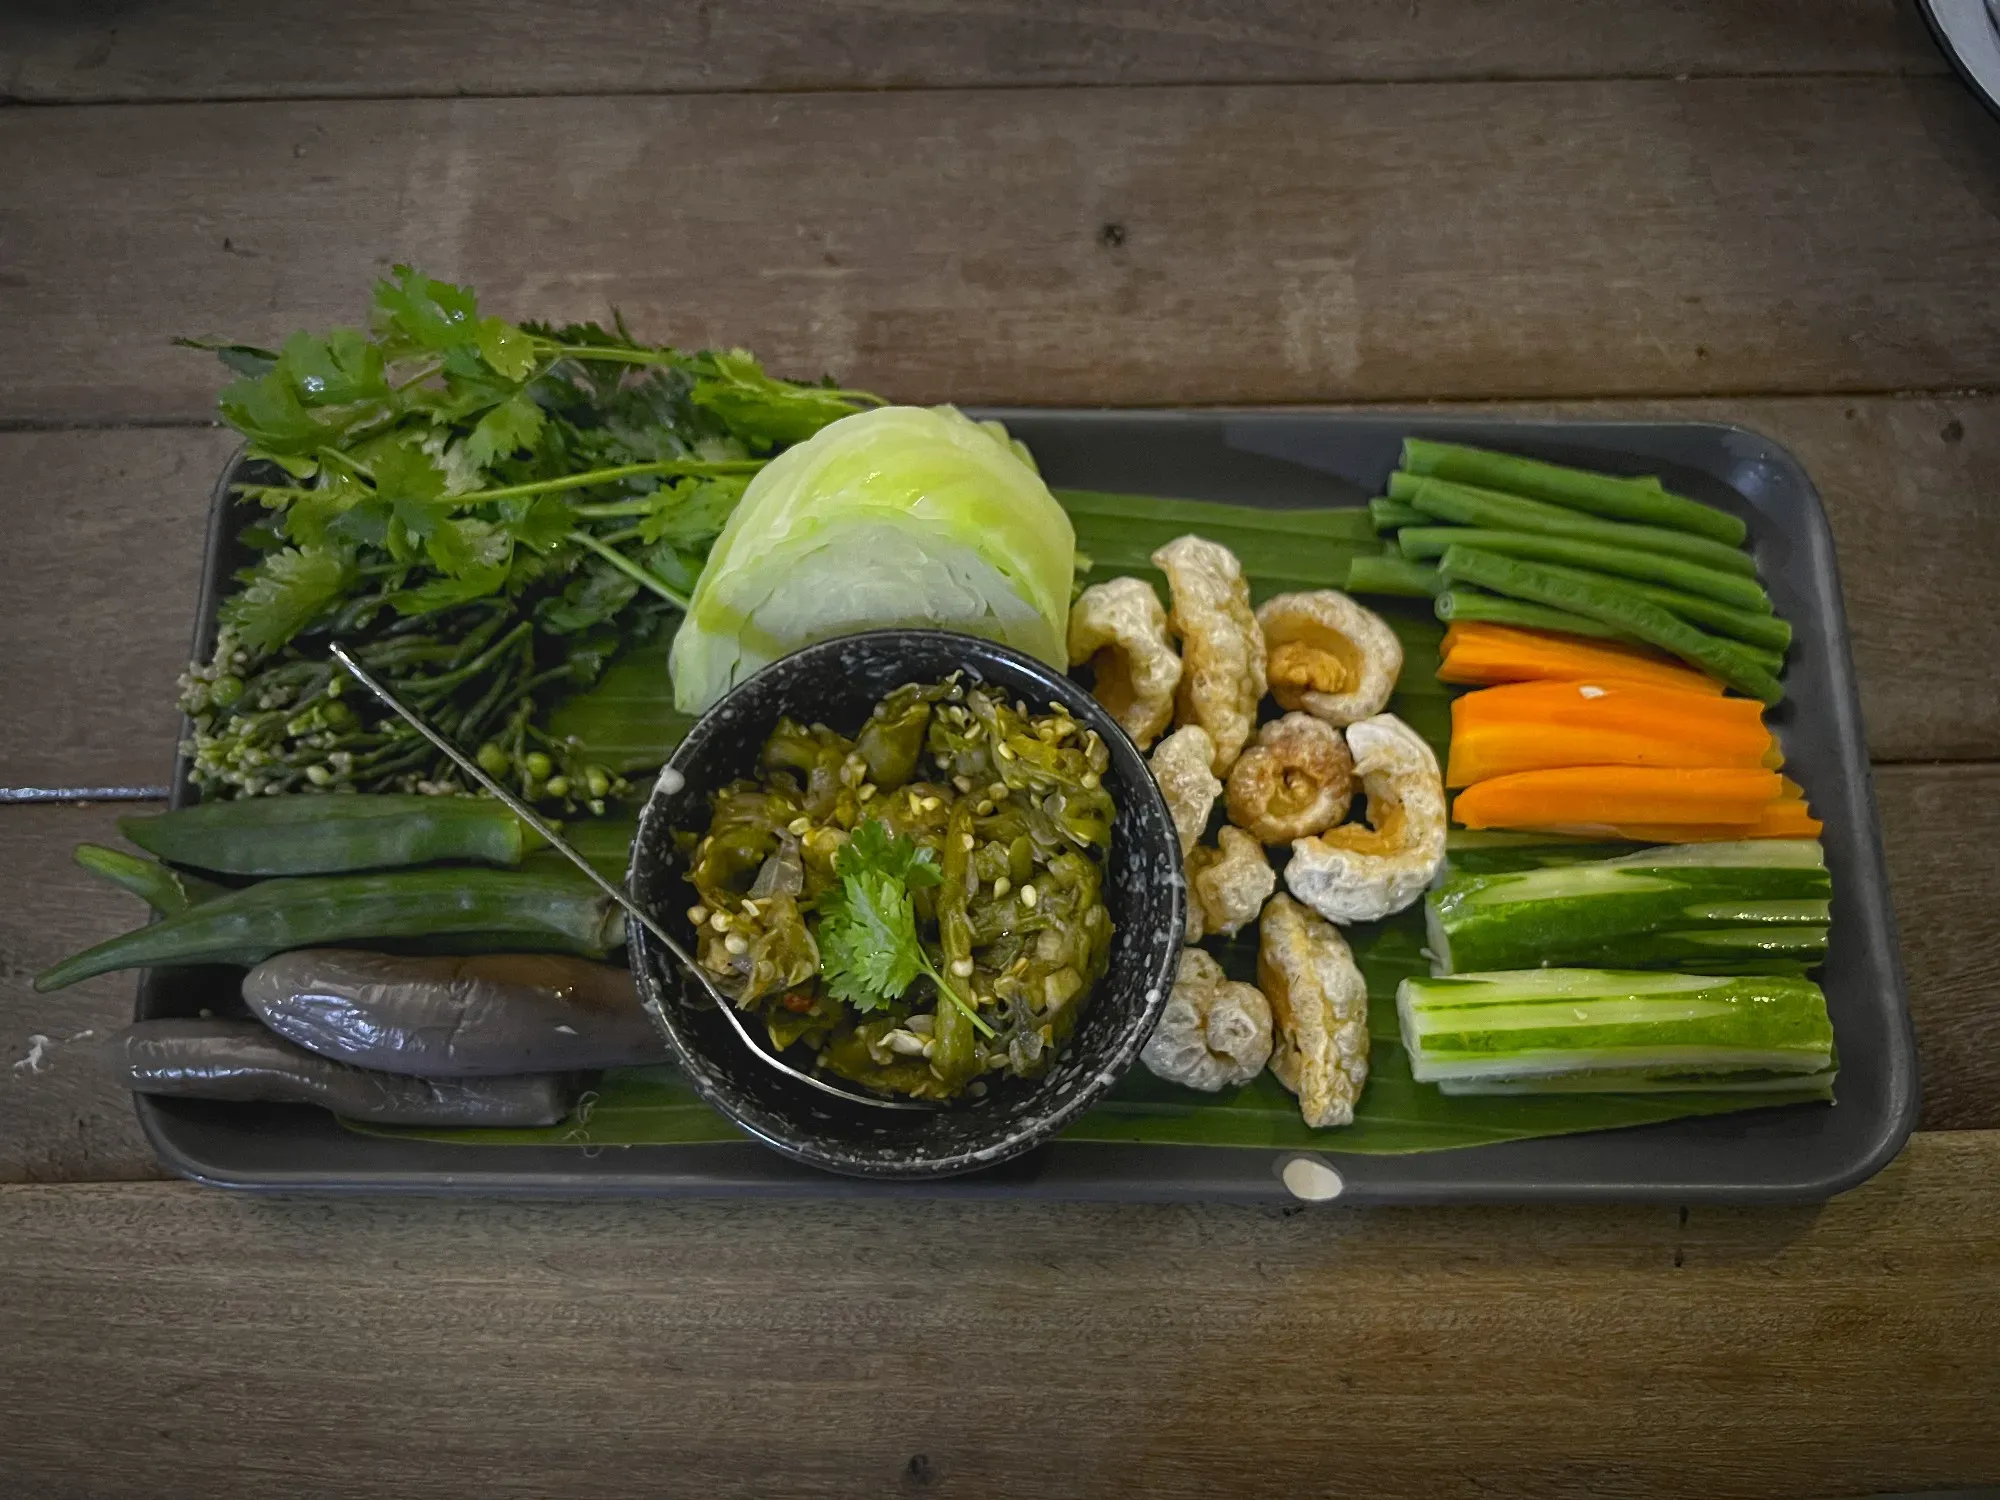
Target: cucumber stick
(1752, 906)
(1563, 1025)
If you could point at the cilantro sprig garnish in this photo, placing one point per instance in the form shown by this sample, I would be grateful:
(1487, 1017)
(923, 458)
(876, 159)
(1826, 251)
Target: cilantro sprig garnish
(868, 945)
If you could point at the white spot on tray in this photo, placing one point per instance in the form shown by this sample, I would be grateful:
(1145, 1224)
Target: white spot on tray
(1312, 1180)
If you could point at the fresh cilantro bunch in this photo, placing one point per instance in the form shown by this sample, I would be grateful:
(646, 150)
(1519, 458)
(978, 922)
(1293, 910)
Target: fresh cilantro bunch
(869, 949)
(489, 511)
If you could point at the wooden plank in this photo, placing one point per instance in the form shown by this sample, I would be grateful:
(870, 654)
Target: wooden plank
(382, 49)
(107, 540)
(1004, 1350)
(1944, 879)
(1079, 246)
(104, 571)
(61, 1120)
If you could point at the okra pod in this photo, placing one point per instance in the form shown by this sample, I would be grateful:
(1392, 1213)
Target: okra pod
(320, 834)
(563, 912)
(1582, 489)
(168, 891)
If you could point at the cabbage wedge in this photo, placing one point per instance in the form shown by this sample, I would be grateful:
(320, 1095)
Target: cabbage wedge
(895, 517)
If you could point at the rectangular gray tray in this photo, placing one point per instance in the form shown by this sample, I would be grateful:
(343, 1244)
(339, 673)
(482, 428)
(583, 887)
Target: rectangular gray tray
(1280, 459)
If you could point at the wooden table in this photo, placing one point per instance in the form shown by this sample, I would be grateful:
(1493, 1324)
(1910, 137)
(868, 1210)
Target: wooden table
(1784, 214)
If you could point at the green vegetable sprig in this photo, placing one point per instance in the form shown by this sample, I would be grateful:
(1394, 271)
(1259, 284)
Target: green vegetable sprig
(488, 513)
(869, 949)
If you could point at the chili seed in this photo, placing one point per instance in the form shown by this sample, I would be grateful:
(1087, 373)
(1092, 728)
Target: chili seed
(1029, 895)
(1002, 885)
(735, 945)
(961, 967)
(720, 921)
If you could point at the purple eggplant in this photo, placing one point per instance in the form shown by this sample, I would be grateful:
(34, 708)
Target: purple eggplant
(241, 1060)
(455, 1017)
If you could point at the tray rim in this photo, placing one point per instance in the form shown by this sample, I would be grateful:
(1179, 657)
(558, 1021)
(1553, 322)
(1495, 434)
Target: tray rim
(1073, 1182)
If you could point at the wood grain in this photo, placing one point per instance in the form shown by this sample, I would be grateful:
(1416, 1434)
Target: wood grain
(1945, 883)
(103, 575)
(107, 529)
(71, 52)
(64, 1121)
(877, 1348)
(1087, 246)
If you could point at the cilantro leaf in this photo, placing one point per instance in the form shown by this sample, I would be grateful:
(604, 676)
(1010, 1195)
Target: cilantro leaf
(692, 512)
(872, 848)
(868, 946)
(466, 547)
(286, 592)
(503, 346)
(595, 597)
(338, 370)
(869, 950)
(762, 407)
(543, 522)
(414, 314)
(509, 427)
(447, 593)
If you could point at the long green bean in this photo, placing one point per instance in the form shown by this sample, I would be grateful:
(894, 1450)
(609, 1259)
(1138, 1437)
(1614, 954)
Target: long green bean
(1389, 513)
(1391, 575)
(1599, 494)
(1612, 605)
(1692, 578)
(1768, 632)
(1496, 609)
(1443, 500)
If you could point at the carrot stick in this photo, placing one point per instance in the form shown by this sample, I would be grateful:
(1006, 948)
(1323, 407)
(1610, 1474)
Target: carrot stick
(1598, 795)
(1478, 654)
(1506, 749)
(1783, 819)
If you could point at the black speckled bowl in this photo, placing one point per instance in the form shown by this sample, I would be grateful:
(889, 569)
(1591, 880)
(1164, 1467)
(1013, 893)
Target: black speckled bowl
(838, 683)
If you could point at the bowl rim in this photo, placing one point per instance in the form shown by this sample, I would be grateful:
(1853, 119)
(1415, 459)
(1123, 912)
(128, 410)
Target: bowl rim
(658, 996)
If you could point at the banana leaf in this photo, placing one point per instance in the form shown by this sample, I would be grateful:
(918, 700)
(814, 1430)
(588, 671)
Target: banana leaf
(1283, 550)
(1397, 1115)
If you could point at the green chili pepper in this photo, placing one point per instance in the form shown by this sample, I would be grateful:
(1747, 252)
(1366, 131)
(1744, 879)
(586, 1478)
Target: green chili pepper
(955, 1058)
(893, 737)
(563, 912)
(324, 835)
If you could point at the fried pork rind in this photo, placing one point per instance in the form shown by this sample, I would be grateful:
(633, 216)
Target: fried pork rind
(1228, 884)
(1360, 873)
(1296, 779)
(1329, 656)
(1121, 630)
(1319, 1011)
(1222, 649)
(1181, 766)
(1215, 1032)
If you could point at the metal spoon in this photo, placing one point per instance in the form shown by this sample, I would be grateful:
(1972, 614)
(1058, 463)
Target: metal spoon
(528, 815)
